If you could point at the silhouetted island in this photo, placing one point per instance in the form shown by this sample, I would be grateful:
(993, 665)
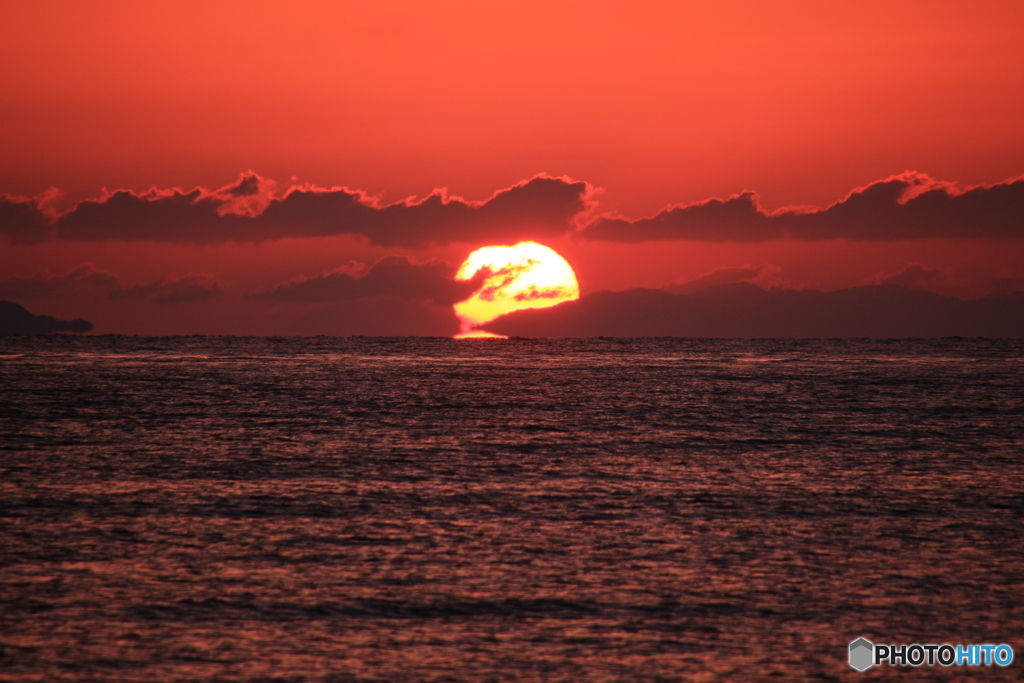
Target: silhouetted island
(16, 319)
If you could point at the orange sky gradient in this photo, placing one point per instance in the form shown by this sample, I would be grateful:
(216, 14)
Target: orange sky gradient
(651, 104)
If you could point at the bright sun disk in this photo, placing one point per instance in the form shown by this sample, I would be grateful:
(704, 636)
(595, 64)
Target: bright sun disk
(518, 277)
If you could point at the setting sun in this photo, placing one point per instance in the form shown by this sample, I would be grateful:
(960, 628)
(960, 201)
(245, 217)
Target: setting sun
(518, 277)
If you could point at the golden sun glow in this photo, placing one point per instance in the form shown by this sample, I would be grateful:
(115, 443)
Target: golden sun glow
(522, 276)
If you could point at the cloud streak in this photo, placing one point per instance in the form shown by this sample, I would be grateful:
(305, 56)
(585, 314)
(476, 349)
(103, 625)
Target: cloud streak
(392, 276)
(174, 290)
(47, 285)
(181, 290)
(765, 274)
(914, 275)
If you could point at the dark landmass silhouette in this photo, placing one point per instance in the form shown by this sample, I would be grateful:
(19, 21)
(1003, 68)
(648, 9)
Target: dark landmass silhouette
(746, 311)
(15, 319)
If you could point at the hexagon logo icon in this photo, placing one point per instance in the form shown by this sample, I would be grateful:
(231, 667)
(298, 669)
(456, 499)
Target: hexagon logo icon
(862, 654)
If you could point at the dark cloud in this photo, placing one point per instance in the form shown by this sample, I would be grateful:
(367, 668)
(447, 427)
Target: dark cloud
(247, 185)
(26, 219)
(393, 276)
(745, 310)
(15, 319)
(908, 206)
(87, 278)
(737, 219)
(249, 211)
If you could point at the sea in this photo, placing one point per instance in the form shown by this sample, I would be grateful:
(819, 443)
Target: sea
(424, 509)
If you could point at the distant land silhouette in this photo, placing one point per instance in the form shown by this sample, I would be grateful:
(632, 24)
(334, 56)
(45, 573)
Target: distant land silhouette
(15, 319)
(747, 311)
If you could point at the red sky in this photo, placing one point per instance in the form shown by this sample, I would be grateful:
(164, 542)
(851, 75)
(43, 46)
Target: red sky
(651, 105)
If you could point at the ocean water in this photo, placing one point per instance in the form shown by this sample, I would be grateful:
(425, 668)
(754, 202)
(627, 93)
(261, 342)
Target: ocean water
(327, 509)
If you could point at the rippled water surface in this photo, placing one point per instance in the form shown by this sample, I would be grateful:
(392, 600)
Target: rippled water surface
(524, 510)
